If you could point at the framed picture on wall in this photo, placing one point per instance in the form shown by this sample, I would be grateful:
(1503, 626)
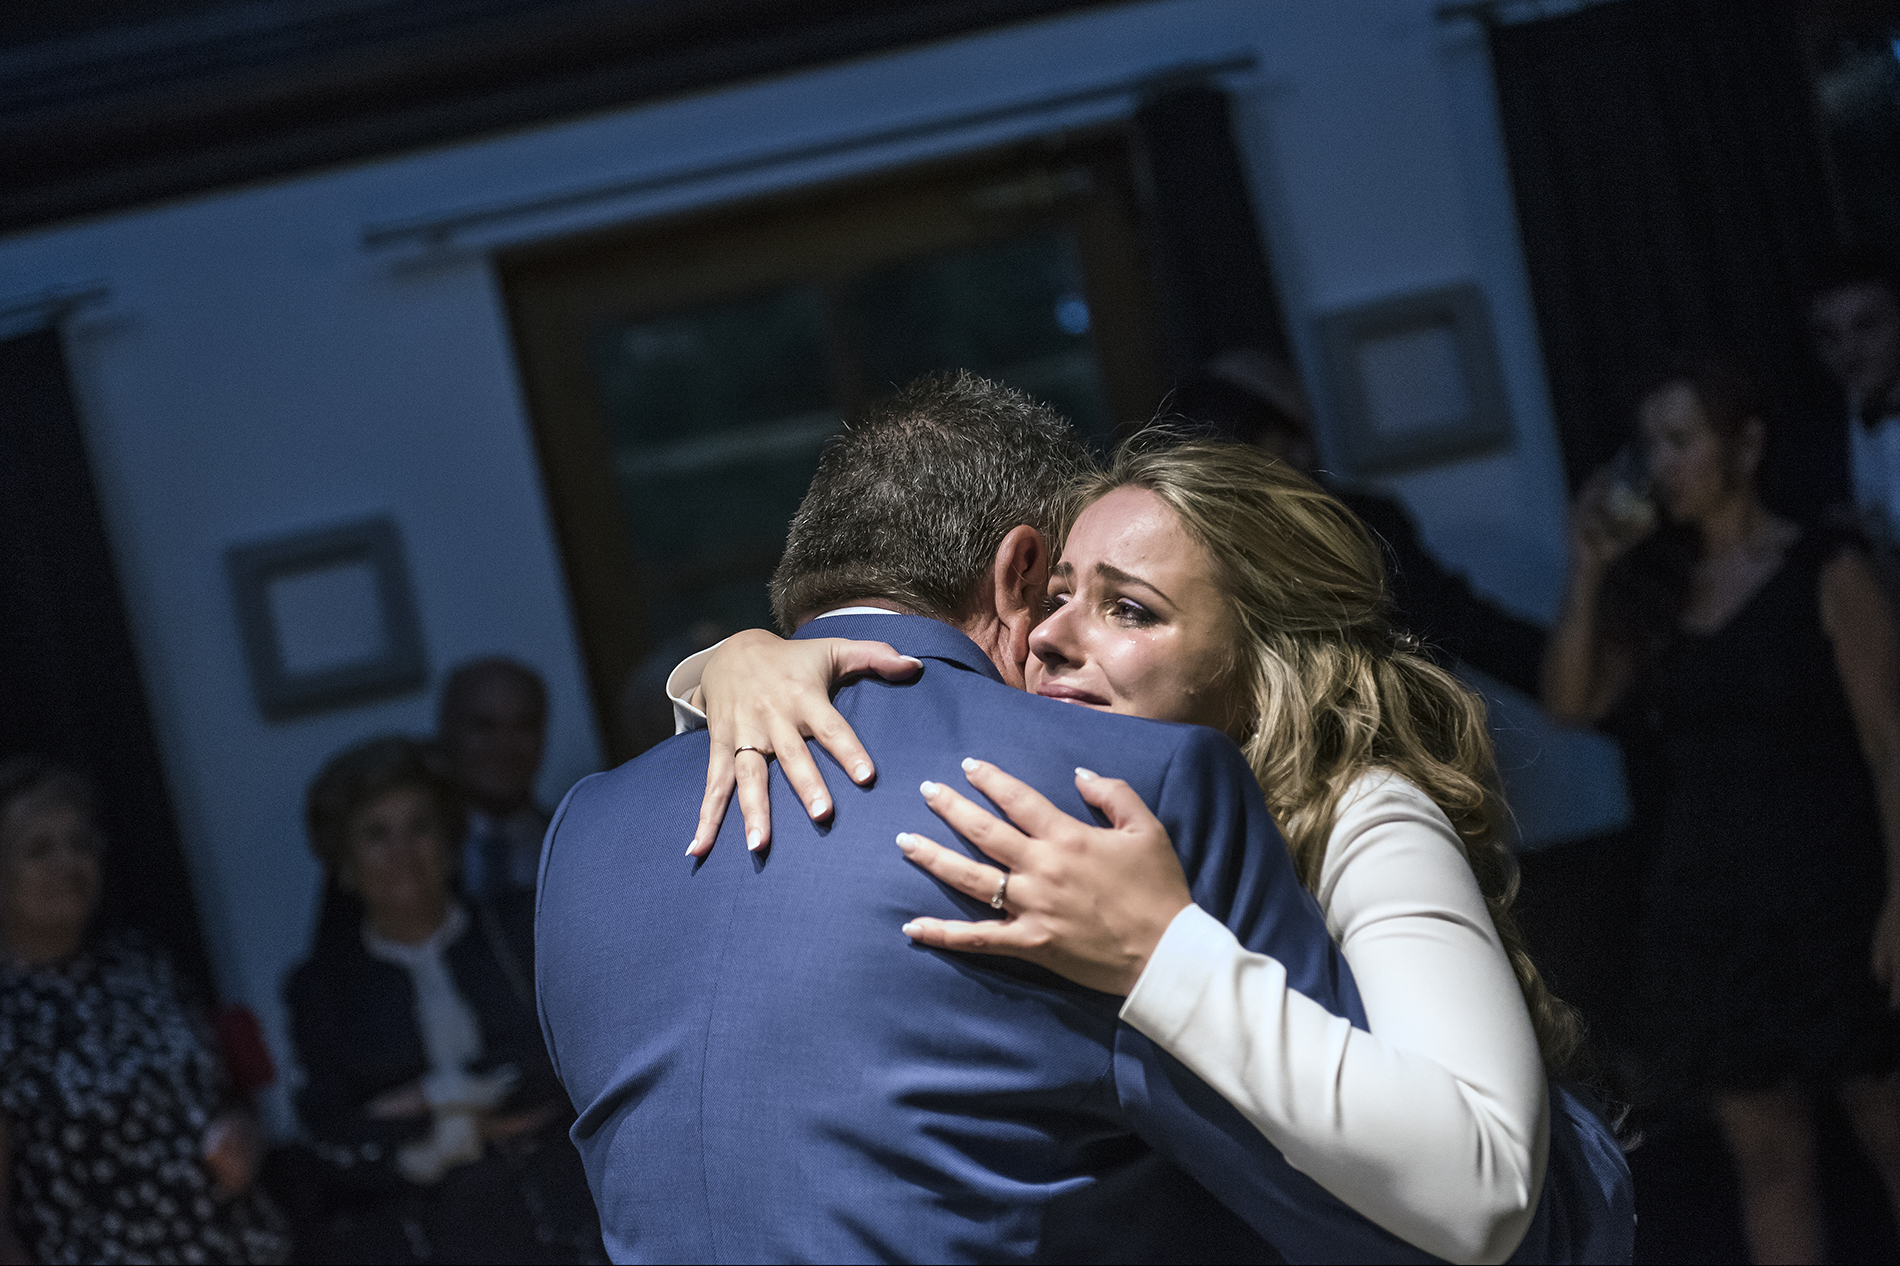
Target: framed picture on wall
(327, 617)
(1416, 380)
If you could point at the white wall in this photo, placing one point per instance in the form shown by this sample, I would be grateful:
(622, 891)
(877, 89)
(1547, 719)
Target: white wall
(1379, 169)
(257, 370)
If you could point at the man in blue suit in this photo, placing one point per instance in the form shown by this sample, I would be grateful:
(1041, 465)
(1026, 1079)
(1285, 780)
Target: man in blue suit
(765, 1069)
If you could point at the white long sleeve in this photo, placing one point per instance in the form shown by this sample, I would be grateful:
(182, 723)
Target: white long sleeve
(680, 684)
(1435, 1125)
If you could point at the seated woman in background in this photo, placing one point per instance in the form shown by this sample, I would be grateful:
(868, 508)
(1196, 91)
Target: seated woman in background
(119, 1137)
(426, 1079)
(1750, 667)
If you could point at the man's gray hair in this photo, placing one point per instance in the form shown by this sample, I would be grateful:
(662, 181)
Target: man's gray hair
(913, 498)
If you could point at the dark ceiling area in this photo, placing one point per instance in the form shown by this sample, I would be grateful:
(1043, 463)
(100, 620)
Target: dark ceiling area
(106, 104)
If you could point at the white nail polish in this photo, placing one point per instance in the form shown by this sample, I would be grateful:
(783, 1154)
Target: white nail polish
(752, 839)
(1084, 774)
(817, 806)
(862, 772)
(969, 764)
(928, 788)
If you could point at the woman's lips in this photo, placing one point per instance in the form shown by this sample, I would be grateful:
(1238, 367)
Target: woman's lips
(1070, 694)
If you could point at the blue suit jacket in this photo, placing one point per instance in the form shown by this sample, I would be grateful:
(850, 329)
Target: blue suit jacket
(765, 1069)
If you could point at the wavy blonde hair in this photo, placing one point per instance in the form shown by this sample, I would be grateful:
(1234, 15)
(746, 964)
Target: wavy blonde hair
(1335, 690)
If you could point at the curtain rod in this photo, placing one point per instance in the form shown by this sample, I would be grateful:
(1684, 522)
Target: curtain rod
(440, 230)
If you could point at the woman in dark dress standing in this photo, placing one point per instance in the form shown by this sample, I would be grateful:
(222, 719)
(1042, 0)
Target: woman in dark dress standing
(1753, 671)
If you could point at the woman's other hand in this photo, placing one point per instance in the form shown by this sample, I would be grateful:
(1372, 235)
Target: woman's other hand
(1584, 674)
(404, 1103)
(502, 1127)
(1090, 903)
(768, 694)
(1606, 520)
(232, 1149)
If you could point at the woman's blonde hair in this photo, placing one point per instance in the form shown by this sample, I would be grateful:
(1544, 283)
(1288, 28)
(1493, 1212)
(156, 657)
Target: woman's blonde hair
(1335, 689)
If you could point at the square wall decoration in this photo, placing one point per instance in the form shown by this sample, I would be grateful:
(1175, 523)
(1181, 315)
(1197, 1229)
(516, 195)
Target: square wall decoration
(1417, 380)
(327, 617)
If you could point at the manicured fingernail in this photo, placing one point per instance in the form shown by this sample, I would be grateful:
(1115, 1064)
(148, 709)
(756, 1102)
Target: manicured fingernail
(1084, 774)
(691, 847)
(911, 928)
(928, 788)
(913, 659)
(906, 842)
(818, 806)
(863, 772)
(753, 839)
(969, 764)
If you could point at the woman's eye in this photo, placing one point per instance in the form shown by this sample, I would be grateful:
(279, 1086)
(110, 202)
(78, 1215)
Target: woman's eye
(1128, 611)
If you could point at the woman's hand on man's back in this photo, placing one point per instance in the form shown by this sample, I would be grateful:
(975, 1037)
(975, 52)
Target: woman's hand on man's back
(763, 697)
(1088, 902)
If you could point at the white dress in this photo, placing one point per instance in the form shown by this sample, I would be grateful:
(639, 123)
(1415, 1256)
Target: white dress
(1436, 1124)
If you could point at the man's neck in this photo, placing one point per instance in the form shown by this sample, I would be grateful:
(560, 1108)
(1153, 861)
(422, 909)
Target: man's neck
(991, 636)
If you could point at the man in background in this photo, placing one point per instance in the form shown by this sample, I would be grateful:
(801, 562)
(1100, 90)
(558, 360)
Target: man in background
(493, 730)
(1854, 313)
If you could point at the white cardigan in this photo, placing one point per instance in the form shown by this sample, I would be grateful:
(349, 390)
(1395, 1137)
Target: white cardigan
(1435, 1125)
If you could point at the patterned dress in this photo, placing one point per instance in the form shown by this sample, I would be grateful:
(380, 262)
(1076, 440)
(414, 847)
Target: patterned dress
(108, 1085)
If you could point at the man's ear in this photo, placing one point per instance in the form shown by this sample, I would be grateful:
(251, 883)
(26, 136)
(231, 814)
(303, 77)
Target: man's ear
(1020, 581)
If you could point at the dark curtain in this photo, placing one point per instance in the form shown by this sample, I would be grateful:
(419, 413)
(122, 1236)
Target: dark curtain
(1216, 288)
(1673, 196)
(69, 683)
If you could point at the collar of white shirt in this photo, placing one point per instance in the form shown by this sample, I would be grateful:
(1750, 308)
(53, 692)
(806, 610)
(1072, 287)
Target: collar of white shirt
(855, 611)
(413, 956)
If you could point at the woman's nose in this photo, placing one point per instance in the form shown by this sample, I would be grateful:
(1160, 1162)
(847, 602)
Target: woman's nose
(1053, 640)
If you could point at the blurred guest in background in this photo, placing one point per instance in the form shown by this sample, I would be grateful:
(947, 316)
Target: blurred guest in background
(120, 1139)
(1254, 398)
(1855, 316)
(1753, 666)
(645, 711)
(427, 1085)
(493, 727)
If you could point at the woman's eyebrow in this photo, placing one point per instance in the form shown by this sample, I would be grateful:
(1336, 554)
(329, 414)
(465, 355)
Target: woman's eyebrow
(1121, 577)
